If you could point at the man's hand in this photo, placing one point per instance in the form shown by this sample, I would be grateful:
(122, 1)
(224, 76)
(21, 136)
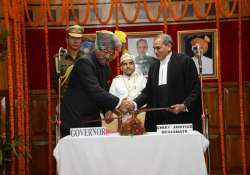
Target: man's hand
(109, 117)
(126, 106)
(177, 108)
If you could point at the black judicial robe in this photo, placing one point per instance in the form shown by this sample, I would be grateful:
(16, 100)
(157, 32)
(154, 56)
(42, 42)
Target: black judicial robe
(183, 86)
(87, 94)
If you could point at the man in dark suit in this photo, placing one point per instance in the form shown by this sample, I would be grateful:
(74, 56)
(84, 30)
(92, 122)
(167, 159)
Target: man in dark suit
(172, 82)
(87, 94)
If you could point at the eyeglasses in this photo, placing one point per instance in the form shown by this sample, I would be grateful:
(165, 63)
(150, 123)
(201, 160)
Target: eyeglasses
(108, 52)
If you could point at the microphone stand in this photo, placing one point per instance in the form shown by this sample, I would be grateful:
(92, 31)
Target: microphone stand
(58, 116)
(204, 114)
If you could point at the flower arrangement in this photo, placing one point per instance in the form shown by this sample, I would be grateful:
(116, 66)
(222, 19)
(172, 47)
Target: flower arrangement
(133, 126)
(11, 148)
(7, 147)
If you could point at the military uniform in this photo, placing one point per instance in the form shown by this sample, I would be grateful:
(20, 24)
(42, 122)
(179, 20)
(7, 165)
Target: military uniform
(64, 68)
(64, 65)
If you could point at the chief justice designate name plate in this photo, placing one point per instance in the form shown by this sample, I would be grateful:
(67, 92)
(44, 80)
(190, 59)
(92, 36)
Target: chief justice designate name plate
(88, 132)
(175, 128)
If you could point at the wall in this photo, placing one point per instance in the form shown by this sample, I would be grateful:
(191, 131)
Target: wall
(228, 44)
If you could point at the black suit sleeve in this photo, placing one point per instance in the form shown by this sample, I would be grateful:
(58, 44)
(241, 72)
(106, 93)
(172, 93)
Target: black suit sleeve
(145, 95)
(90, 83)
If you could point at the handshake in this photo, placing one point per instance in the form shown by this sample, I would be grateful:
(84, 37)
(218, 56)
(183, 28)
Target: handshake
(125, 106)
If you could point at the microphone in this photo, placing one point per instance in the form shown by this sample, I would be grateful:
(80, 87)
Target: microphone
(62, 52)
(200, 64)
(197, 50)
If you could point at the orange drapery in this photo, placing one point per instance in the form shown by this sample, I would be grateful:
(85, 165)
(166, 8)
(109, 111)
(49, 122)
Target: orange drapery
(68, 7)
(241, 94)
(220, 101)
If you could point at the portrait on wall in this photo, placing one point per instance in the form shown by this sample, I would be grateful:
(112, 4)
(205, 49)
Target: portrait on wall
(201, 45)
(140, 44)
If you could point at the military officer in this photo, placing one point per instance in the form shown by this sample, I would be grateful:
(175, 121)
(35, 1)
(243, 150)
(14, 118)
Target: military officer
(64, 64)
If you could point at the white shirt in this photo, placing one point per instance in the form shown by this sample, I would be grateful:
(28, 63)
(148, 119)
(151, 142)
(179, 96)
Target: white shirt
(163, 71)
(130, 87)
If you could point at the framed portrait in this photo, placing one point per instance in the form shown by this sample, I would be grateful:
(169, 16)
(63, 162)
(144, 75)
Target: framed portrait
(140, 44)
(201, 45)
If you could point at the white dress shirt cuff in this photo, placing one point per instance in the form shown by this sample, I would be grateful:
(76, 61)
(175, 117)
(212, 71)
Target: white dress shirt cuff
(136, 107)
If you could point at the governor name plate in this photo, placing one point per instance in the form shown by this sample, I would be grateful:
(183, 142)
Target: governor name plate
(88, 132)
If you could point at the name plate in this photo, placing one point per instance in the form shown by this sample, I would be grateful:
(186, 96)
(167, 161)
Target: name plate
(88, 132)
(175, 128)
